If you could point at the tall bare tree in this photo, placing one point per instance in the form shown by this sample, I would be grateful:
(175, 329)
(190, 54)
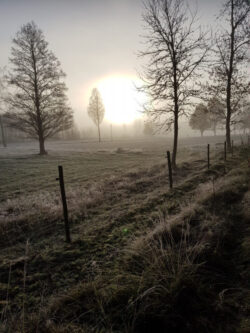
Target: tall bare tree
(175, 50)
(38, 104)
(96, 109)
(229, 81)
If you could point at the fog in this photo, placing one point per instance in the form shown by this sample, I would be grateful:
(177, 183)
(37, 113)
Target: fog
(124, 185)
(92, 39)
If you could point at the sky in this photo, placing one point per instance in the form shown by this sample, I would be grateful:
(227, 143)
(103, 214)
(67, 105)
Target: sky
(93, 39)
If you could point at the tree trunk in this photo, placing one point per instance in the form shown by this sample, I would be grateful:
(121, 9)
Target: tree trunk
(214, 130)
(228, 118)
(229, 80)
(175, 141)
(2, 131)
(99, 132)
(176, 114)
(41, 145)
(38, 113)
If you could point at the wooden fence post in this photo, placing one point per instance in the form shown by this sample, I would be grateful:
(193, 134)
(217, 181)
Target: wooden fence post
(170, 170)
(225, 151)
(64, 202)
(232, 147)
(208, 156)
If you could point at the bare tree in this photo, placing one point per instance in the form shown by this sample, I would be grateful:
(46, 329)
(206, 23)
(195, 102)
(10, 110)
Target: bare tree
(229, 80)
(96, 109)
(175, 49)
(38, 103)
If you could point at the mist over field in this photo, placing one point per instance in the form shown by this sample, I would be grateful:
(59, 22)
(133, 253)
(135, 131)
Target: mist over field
(124, 166)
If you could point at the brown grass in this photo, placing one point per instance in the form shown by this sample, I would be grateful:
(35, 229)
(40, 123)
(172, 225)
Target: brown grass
(143, 258)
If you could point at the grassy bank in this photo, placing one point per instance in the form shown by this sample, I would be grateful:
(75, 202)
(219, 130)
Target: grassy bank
(143, 258)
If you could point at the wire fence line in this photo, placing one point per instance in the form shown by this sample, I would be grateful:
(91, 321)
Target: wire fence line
(45, 223)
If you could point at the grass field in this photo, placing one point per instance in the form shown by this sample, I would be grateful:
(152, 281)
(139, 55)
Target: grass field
(23, 171)
(136, 244)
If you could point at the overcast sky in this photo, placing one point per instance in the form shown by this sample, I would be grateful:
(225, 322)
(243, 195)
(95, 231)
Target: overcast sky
(91, 38)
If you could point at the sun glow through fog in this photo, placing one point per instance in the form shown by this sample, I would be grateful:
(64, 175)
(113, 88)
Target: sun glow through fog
(120, 98)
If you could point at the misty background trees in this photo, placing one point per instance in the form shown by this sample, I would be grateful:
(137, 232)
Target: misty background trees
(217, 113)
(96, 109)
(208, 117)
(37, 103)
(175, 50)
(148, 128)
(175, 57)
(200, 120)
(229, 81)
(245, 117)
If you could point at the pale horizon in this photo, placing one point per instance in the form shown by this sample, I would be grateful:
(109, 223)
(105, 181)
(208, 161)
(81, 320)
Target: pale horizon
(93, 42)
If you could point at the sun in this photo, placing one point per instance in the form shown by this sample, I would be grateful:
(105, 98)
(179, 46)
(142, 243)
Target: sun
(120, 98)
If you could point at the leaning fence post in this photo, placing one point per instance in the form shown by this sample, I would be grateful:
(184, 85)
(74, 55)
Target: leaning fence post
(208, 156)
(225, 151)
(170, 170)
(232, 147)
(64, 202)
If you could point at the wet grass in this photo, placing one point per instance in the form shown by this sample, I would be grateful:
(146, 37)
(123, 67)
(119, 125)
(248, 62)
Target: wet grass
(28, 174)
(107, 278)
(23, 171)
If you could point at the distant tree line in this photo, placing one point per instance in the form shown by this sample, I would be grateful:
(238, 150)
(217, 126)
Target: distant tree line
(213, 116)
